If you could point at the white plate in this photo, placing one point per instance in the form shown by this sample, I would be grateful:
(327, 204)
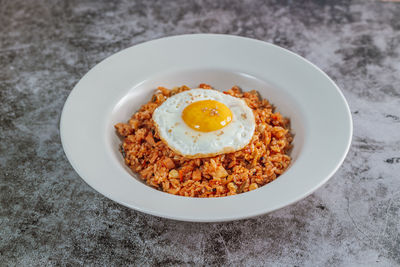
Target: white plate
(115, 88)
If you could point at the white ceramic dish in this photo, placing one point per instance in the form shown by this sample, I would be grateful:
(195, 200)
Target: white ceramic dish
(115, 88)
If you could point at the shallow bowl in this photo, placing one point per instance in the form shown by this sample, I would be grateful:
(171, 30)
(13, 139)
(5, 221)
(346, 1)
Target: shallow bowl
(115, 88)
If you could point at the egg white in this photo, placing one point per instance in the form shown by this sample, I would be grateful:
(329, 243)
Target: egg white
(190, 143)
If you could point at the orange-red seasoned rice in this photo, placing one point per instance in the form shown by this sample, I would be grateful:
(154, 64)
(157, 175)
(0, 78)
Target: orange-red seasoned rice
(260, 162)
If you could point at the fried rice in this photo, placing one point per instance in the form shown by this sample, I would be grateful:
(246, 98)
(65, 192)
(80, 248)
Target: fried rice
(260, 162)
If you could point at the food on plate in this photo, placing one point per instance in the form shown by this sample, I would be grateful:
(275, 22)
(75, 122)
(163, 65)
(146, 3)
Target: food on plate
(205, 143)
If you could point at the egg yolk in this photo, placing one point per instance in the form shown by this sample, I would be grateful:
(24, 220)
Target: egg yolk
(207, 115)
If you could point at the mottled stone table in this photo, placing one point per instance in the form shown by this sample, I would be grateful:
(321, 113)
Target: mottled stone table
(49, 216)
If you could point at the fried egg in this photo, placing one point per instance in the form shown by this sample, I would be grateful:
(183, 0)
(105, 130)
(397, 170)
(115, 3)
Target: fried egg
(203, 123)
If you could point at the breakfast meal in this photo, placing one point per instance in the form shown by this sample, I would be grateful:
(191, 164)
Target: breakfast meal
(206, 143)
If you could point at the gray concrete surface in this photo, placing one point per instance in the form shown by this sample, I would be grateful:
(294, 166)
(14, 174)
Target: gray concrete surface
(49, 216)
